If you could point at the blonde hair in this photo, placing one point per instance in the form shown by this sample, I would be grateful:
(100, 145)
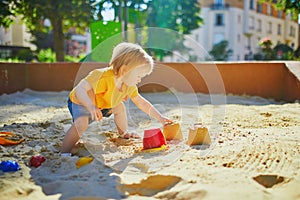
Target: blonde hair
(131, 55)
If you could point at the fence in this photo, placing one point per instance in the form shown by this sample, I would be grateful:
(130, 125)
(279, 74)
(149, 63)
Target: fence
(273, 80)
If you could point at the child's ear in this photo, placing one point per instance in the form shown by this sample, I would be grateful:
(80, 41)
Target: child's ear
(122, 70)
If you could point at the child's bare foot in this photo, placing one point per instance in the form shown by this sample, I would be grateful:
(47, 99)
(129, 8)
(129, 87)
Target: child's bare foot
(127, 135)
(77, 146)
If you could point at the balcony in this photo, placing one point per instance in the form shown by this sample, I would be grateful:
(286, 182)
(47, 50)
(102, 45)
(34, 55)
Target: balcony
(219, 6)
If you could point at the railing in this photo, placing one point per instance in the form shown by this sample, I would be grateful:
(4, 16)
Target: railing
(219, 6)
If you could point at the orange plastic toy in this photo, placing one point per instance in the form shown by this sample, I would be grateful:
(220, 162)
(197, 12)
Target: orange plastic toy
(7, 139)
(172, 131)
(198, 135)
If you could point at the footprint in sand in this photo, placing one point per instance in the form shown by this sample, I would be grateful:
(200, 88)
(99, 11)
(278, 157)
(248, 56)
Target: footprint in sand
(269, 181)
(150, 185)
(140, 166)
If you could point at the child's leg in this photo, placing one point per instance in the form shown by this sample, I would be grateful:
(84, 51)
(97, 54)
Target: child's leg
(120, 118)
(74, 133)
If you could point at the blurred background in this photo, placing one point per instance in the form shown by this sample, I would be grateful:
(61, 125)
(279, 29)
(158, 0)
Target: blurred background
(229, 30)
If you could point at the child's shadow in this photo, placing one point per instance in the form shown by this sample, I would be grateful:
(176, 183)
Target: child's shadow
(59, 176)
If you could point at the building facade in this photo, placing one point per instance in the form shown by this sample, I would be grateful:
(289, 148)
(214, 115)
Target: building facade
(243, 23)
(16, 35)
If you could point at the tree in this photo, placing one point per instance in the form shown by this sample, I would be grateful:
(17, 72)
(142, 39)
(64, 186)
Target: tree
(220, 52)
(5, 13)
(108, 33)
(177, 15)
(126, 11)
(289, 6)
(297, 53)
(62, 15)
(266, 48)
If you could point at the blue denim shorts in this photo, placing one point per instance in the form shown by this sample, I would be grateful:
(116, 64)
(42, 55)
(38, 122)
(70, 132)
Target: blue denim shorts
(79, 111)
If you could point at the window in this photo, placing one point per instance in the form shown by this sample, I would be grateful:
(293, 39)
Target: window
(251, 6)
(279, 29)
(258, 40)
(259, 7)
(239, 38)
(219, 21)
(251, 23)
(5, 53)
(259, 25)
(280, 14)
(239, 19)
(219, 1)
(197, 38)
(270, 27)
(292, 31)
(218, 37)
(269, 9)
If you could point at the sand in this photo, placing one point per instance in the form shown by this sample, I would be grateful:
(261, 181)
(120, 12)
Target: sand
(255, 151)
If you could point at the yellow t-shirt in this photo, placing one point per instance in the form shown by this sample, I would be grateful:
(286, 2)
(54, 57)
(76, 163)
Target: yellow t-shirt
(105, 94)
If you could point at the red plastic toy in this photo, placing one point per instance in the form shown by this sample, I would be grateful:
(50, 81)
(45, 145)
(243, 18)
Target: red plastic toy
(153, 138)
(37, 160)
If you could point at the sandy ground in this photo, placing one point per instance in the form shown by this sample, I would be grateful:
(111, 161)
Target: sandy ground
(255, 151)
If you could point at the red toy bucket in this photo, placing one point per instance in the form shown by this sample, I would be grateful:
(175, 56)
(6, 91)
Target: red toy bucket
(153, 138)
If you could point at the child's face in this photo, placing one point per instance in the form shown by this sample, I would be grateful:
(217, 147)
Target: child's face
(134, 76)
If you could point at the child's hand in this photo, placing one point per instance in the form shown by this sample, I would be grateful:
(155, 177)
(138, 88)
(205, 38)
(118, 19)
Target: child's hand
(96, 113)
(165, 121)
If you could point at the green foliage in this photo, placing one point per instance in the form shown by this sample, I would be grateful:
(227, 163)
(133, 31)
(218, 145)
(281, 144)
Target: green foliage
(46, 55)
(179, 16)
(297, 52)
(258, 56)
(284, 52)
(62, 15)
(11, 60)
(279, 52)
(266, 47)
(163, 42)
(42, 40)
(101, 31)
(288, 56)
(189, 15)
(269, 54)
(265, 43)
(74, 13)
(289, 6)
(104, 37)
(220, 52)
(25, 55)
(137, 17)
(5, 14)
(69, 58)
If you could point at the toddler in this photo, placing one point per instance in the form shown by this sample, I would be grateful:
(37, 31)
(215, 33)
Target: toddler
(102, 92)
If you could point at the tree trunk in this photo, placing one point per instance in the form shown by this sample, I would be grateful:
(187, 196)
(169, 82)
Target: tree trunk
(125, 20)
(59, 39)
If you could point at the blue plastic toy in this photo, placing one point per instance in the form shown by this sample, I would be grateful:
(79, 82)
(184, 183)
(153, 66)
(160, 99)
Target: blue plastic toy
(9, 166)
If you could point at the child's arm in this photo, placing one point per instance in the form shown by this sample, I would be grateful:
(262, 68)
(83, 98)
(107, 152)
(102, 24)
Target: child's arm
(148, 108)
(81, 92)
